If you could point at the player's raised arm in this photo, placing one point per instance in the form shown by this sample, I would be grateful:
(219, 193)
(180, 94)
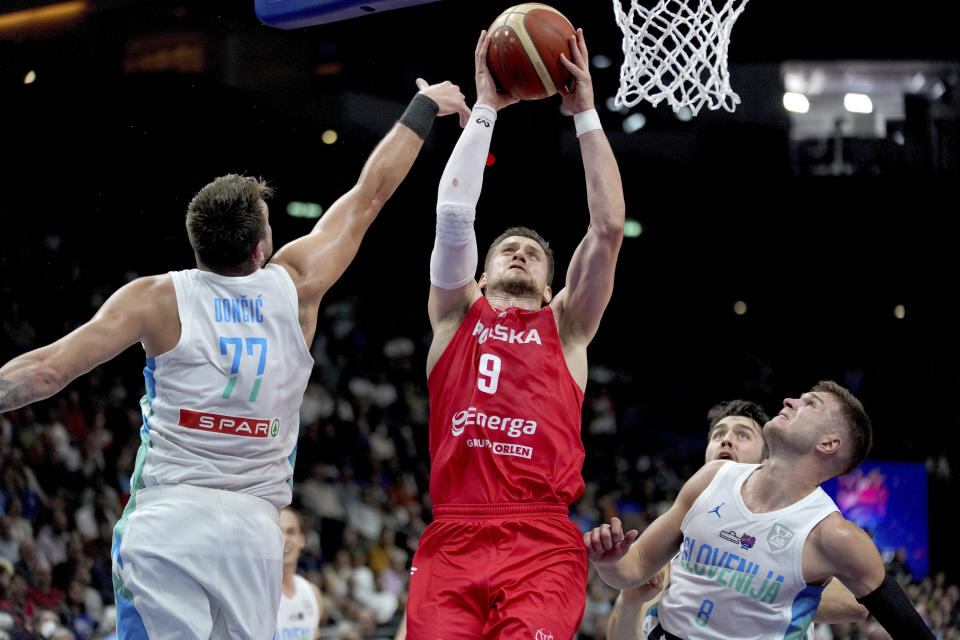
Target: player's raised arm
(589, 282)
(453, 263)
(317, 260)
(122, 321)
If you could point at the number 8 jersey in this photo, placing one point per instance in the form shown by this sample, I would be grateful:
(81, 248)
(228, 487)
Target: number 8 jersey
(222, 407)
(504, 412)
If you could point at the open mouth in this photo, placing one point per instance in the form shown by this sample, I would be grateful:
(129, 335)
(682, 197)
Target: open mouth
(725, 455)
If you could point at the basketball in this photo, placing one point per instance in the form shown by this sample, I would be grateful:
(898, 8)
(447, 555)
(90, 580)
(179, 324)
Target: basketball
(526, 41)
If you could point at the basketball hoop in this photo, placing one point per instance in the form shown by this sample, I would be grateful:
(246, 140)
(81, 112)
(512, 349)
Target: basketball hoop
(677, 51)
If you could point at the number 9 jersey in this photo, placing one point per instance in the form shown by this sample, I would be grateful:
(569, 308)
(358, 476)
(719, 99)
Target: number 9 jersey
(222, 407)
(504, 412)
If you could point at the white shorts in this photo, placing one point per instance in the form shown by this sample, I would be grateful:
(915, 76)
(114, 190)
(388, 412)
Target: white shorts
(190, 562)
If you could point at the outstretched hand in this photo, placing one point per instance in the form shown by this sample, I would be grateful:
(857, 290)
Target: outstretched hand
(579, 96)
(608, 543)
(447, 95)
(486, 88)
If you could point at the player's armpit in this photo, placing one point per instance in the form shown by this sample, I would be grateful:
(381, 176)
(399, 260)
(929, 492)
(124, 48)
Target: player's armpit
(588, 288)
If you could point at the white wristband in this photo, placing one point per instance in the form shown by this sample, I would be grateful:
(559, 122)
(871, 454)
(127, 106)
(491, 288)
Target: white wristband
(586, 121)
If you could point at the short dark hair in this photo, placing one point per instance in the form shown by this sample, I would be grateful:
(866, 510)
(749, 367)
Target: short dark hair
(855, 421)
(225, 221)
(737, 407)
(298, 516)
(526, 232)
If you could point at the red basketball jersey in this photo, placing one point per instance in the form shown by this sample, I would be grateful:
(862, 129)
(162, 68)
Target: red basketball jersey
(504, 412)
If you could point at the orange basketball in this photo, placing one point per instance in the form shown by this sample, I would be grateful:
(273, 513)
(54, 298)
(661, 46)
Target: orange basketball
(525, 46)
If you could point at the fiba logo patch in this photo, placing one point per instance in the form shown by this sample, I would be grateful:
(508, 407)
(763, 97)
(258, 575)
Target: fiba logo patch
(543, 634)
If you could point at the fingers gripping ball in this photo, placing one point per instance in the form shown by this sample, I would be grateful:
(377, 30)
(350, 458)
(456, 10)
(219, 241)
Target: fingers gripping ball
(525, 46)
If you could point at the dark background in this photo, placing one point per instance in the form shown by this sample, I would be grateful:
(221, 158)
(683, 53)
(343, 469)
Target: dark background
(139, 104)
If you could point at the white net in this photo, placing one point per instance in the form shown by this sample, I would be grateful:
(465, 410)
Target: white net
(677, 51)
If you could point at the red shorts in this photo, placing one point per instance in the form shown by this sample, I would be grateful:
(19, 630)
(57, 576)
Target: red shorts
(498, 571)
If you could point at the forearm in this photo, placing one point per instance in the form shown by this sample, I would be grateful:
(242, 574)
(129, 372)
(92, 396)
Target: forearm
(604, 187)
(394, 155)
(627, 572)
(838, 604)
(26, 379)
(463, 175)
(454, 260)
(890, 606)
(389, 164)
(626, 618)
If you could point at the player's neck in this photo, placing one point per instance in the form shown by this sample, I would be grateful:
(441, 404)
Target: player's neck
(502, 301)
(287, 585)
(236, 272)
(778, 484)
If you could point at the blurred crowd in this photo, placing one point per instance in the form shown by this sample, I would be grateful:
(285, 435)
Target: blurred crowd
(361, 483)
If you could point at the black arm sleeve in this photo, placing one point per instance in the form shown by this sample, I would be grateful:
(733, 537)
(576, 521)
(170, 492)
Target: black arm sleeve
(890, 606)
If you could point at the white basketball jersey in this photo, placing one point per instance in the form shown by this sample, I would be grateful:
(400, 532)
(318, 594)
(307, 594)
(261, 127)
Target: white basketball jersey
(299, 616)
(222, 407)
(738, 573)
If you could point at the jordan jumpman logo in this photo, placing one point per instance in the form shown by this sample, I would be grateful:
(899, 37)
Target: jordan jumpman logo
(716, 509)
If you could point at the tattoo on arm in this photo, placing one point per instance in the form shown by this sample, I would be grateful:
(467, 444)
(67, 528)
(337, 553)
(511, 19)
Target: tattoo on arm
(13, 394)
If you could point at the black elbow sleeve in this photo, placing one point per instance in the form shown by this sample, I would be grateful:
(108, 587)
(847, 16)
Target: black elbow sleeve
(890, 606)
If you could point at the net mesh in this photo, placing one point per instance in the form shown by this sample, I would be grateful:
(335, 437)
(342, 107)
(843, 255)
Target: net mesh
(677, 51)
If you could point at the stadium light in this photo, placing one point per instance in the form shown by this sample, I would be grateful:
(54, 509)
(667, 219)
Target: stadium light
(857, 103)
(633, 123)
(795, 102)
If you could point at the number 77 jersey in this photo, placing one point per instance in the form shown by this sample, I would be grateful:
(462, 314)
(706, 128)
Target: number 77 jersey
(222, 407)
(504, 412)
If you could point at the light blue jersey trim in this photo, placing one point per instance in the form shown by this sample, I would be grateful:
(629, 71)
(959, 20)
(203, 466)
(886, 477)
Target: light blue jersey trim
(146, 403)
(293, 461)
(129, 623)
(804, 608)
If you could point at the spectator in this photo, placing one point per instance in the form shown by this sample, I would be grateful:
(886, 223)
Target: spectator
(9, 545)
(20, 527)
(379, 558)
(53, 537)
(79, 620)
(897, 567)
(17, 605)
(41, 592)
(29, 557)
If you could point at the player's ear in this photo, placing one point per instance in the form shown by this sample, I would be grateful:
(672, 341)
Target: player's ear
(483, 280)
(259, 251)
(547, 294)
(830, 443)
